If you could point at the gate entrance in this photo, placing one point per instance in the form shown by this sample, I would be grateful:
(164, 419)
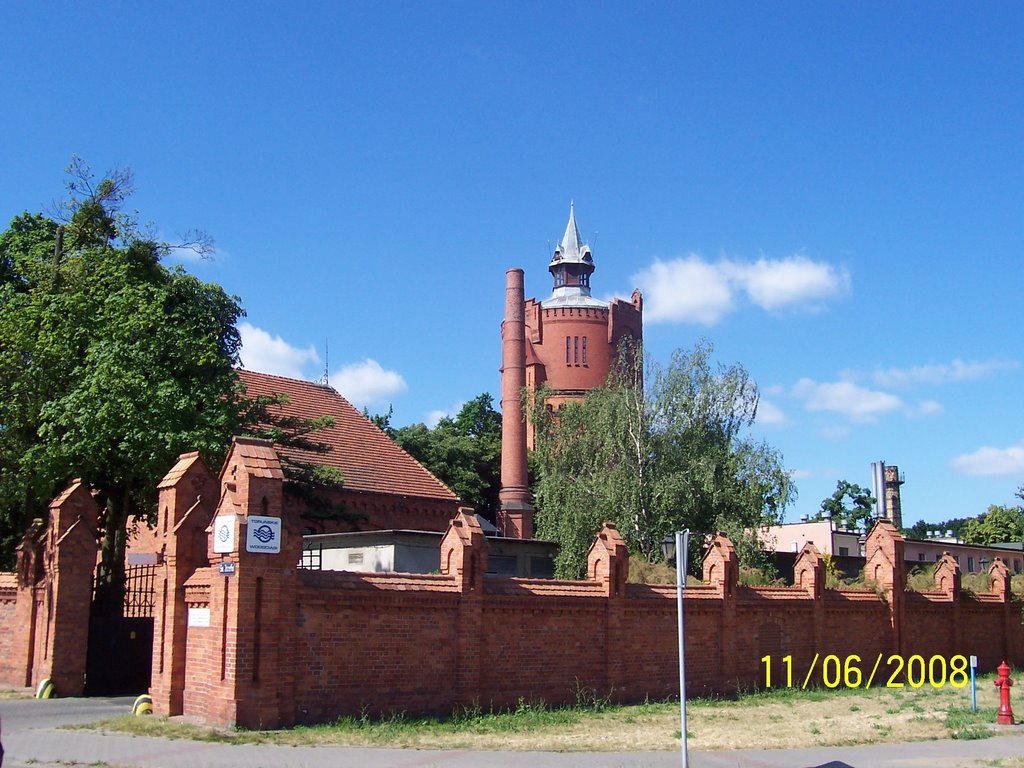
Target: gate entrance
(120, 656)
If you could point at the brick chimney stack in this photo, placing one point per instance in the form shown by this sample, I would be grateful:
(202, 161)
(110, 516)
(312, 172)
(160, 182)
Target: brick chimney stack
(515, 516)
(893, 481)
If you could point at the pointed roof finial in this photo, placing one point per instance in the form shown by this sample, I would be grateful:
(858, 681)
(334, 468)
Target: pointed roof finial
(571, 247)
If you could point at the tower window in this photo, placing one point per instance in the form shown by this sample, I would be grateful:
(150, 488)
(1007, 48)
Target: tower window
(584, 350)
(568, 350)
(576, 350)
(559, 278)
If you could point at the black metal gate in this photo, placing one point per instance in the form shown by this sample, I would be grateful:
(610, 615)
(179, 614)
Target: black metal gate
(120, 656)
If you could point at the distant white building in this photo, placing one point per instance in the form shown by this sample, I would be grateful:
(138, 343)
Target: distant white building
(972, 558)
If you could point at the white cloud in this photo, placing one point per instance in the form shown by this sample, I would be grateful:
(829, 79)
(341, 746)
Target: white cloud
(367, 382)
(929, 408)
(684, 290)
(769, 413)
(436, 415)
(800, 474)
(846, 398)
(957, 370)
(272, 354)
(692, 289)
(992, 461)
(774, 284)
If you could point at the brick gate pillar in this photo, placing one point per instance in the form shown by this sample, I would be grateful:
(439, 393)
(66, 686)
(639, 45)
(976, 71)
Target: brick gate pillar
(722, 571)
(16, 668)
(809, 575)
(608, 565)
(69, 564)
(253, 600)
(187, 500)
(464, 558)
(886, 566)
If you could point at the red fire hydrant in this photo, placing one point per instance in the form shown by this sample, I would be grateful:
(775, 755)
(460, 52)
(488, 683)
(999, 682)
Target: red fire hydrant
(1003, 683)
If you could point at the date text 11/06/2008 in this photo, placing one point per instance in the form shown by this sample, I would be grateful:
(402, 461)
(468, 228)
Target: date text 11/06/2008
(915, 671)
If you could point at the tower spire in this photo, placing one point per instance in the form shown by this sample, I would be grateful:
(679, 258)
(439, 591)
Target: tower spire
(571, 266)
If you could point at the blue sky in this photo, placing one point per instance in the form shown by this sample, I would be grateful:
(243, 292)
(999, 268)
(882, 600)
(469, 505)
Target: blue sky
(830, 192)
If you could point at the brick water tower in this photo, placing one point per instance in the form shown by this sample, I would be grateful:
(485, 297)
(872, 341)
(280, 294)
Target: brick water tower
(569, 342)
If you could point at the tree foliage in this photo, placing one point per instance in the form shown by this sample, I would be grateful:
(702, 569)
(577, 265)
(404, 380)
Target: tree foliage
(110, 363)
(999, 524)
(463, 452)
(850, 506)
(921, 529)
(309, 482)
(656, 457)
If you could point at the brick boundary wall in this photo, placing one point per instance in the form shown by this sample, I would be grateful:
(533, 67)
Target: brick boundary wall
(269, 645)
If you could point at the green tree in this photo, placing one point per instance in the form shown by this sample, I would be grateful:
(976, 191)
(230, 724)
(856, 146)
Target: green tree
(305, 479)
(463, 452)
(110, 364)
(998, 524)
(850, 506)
(655, 458)
(921, 529)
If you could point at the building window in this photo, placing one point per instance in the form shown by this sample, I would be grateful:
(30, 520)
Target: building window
(970, 565)
(355, 558)
(559, 278)
(584, 350)
(312, 558)
(568, 350)
(576, 350)
(1016, 566)
(844, 551)
(920, 555)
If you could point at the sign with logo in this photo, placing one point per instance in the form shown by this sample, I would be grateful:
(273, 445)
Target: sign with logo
(263, 535)
(224, 534)
(227, 568)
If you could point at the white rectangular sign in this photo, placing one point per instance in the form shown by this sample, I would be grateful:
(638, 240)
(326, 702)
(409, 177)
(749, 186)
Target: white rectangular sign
(224, 534)
(199, 617)
(263, 534)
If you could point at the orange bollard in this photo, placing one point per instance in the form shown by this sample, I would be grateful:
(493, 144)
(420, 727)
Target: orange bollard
(1003, 683)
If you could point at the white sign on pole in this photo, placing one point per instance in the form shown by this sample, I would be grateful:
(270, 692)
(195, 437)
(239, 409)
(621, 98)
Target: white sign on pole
(224, 534)
(263, 534)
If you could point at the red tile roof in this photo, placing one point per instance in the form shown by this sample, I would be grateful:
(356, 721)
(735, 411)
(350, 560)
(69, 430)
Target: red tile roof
(185, 461)
(368, 459)
(259, 457)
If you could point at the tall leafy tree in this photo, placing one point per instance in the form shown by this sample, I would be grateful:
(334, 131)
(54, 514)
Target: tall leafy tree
(110, 364)
(463, 452)
(655, 451)
(849, 506)
(999, 524)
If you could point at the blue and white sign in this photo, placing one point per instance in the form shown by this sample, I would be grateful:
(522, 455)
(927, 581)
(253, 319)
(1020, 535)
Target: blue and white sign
(263, 535)
(224, 534)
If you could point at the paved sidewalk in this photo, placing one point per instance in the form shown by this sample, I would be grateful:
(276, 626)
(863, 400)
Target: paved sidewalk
(32, 744)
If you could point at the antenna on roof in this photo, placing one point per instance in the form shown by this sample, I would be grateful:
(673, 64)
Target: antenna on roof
(324, 381)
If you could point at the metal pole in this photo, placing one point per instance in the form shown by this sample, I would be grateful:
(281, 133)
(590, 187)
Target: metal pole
(682, 551)
(974, 685)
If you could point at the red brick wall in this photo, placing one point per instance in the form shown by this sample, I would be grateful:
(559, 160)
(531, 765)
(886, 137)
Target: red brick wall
(287, 646)
(374, 644)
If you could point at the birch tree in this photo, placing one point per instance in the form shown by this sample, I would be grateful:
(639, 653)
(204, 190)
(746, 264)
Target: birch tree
(655, 451)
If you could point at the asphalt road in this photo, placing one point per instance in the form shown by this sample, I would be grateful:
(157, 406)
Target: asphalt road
(34, 738)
